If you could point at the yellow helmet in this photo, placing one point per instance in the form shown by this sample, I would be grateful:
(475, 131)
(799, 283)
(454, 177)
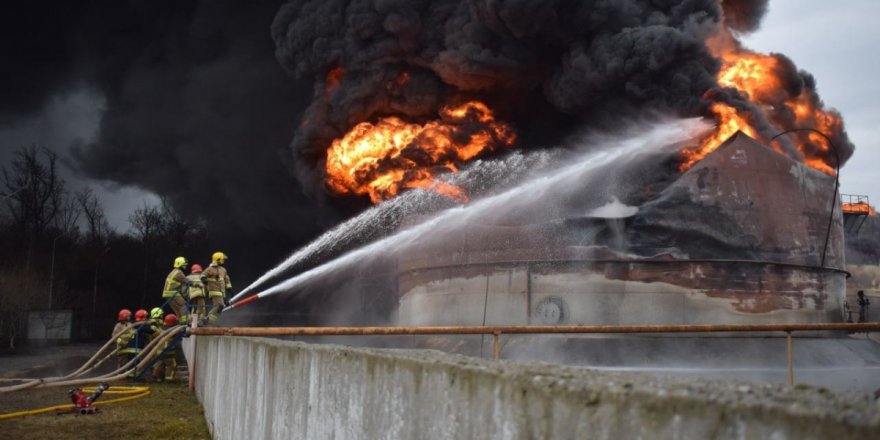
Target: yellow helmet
(179, 262)
(218, 258)
(156, 313)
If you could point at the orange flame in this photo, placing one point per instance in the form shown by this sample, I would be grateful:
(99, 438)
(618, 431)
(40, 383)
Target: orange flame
(752, 73)
(729, 122)
(759, 78)
(381, 159)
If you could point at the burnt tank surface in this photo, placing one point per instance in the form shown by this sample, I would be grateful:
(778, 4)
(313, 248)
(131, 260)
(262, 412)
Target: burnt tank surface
(738, 238)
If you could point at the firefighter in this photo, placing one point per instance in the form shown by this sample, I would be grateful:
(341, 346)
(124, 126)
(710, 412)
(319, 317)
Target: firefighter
(166, 365)
(150, 329)
(218, 285)
(175, 283)
(196, 292)
(123, 352)
(136, 338)
(157, 317)
(864, 303)
(141, 315)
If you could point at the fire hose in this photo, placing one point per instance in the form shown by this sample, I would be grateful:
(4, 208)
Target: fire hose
(136, 363)
(130, 393)
(86, 367)
(151, 349)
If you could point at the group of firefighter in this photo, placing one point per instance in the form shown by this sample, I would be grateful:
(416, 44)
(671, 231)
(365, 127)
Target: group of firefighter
(201, 296)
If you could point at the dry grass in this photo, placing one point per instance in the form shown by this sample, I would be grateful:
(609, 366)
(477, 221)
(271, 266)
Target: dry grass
(170, 412)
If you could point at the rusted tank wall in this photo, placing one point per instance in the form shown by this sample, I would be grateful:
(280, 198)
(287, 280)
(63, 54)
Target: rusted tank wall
(737, 238)
(618, 293)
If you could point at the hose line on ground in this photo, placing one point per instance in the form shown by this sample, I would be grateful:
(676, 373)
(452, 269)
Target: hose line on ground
(131, 394)
(137, 362)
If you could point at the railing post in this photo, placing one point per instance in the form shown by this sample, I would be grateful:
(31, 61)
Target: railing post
(191, 368)
(790, 362)
(496, 344)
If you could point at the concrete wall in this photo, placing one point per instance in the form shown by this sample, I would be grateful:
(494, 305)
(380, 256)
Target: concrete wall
(261, 388)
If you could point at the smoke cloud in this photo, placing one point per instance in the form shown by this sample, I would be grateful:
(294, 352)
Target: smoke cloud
(549, 68)
(744, 15)
(197, 108)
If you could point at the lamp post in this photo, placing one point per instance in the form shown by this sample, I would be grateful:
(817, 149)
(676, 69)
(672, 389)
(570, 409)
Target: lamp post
(95, 285)
(836, 180)
(52, 264)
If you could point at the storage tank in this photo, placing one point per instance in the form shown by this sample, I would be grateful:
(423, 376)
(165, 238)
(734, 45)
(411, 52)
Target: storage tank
(738, 238)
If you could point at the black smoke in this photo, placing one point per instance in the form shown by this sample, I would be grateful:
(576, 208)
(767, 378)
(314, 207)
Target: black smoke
(197, 109)
(744, 15)
(38, 62)
(204, 97)
(547, 67)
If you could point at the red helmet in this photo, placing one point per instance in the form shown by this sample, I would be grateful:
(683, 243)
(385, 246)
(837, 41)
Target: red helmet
(170, 320)
(196, 268)
(140, 315)
(124, 315)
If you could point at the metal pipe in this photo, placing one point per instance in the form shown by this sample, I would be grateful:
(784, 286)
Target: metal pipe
(52, 268)
(496, 345)
(637, 261)
(790, 362)
(531, 329)
(191, 368)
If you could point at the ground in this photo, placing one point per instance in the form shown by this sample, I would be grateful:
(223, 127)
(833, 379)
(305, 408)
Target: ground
(170, 411)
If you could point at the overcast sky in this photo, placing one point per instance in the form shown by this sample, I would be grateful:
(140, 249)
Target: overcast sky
(838, 42)
(68, 120)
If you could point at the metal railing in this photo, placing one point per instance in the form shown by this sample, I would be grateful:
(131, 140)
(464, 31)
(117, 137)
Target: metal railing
(855, 204)
(497, 331)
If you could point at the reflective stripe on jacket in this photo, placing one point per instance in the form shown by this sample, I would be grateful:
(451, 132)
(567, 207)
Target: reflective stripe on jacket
(173, 282)
(196, 289)
(218, 280)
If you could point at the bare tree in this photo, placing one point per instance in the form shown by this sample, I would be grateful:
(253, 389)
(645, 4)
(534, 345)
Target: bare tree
(98, 228)
(177, 230)
(34, 195)
(67, 214)
(34, 189)
(148, 224)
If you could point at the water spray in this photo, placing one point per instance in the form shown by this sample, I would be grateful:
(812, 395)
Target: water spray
(658, 136)
(497, 171)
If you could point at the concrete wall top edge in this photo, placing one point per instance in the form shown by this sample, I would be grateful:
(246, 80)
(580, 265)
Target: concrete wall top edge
(853, 409)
